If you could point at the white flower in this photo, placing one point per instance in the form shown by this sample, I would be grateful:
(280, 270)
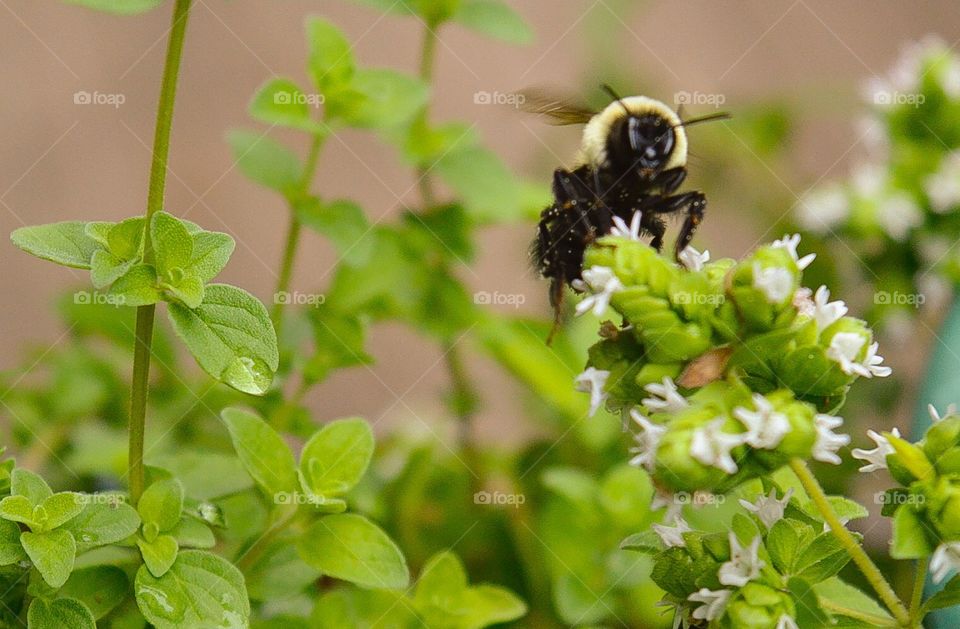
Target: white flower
(766, 428)
(775, 282)
(945, 559)
(872, 363)
(876, 458)
(664, 397)
(844, 348)
(744, 565)
(871, 132)
(827, 312)
(935, 415)
(786, 622)
(950, 78)
(828, 442)
(790, 243)
(593, 381)
(714, 602)
(898, 214)
(692, 259)
(821, 210)
(672, 536)
(868, 178)
(602, 283)
(768, 508)
(943, 187)
(711, 446)
(631, 231)
(648, 439)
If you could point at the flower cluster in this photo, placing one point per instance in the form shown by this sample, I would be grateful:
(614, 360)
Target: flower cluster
(771, 568)
(899, 210)
(726, 369)
(926, 507)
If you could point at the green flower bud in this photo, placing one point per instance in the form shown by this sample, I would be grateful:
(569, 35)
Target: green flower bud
(675, 468)
(757, 606)
(940, 438)
(762, 287)
(942, 506)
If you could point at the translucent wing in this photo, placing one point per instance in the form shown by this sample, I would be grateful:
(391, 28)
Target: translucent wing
(558, 110)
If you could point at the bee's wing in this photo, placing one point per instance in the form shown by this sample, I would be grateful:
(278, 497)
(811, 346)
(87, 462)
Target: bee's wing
(557, 109)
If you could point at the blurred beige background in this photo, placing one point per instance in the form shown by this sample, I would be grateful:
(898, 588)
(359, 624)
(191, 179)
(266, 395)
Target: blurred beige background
(60, 160)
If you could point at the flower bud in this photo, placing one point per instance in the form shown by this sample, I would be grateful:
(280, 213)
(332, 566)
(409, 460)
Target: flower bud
(757, 606)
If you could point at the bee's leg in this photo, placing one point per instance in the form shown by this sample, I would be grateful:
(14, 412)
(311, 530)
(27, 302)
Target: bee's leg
(556, 300)
(695, 211)
(656, 228)
(670, 180)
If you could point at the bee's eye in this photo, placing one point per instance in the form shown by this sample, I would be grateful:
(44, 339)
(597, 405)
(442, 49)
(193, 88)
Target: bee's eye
(644, 141)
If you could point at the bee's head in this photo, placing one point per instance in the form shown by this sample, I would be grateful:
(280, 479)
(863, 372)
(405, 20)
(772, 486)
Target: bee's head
(645, 142)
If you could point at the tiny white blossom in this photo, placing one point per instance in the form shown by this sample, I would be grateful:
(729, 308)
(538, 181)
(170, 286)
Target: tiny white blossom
(768, 508)
(711, 446)
(876, 458)
(602, 283)
(775, 282)
(828, 442)
(803, 302)
(666, 499)
(744, 565)
(592, 381)
(790, 244)
(945, 559)
(821, 210)
(631, 231)
(868, 179)
(713, 603)
(844, 348)
(664, 397)
(672, 536)
(648, 439)
(943, 187)
(786, 622)
(692, 259)
(766, 428)
(826, 312)
(898, 214)
(950, 78)
(935, 415)
(872, 366)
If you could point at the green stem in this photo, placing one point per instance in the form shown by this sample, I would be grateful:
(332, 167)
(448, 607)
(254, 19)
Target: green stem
(849, 543)
(873, 619)
(293, 231)
(255, 550)
(140, 384)
(916, 597)
(428, 55)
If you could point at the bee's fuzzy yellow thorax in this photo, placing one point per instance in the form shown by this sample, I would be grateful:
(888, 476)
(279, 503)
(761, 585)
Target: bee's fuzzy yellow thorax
(593, 148)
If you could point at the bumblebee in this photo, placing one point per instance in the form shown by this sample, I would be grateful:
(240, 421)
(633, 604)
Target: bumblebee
(632, 160)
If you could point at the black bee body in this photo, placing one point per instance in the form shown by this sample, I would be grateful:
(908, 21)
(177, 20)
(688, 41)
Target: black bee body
(633, 159)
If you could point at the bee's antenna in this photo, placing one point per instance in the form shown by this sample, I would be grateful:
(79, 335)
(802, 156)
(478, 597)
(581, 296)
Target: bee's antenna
(708, 118)
(613, 94)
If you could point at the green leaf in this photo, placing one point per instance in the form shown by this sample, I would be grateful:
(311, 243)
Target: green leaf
(18, 509)
(822, 558)
(188, 290)
(162, 504)
(809, 612)
(911, 457)
(10, 549)
(231, 336)
(193, 533)
(23, 482)
(946, 597)
(281, 102)
(494, 18)
(489, 190)
(200, 590)
(378, 99)
(266, 161)
(100, 588)
(59, 613)
(784, 541)
(102, 523)
(645, 542)
(172, 244)
(125, 239)
(138, 287)
(350, 547)
(106, 268)
(63, 243)
(61, 507)
(330, 59)
(339, 342)
(52, 553)
(119, 7)
(910, 540)
(839, 597)
(262, 451)
(490, 605)
(336, 457)
(159, 554)
(278, 572)
(343, 222)
(211, 252)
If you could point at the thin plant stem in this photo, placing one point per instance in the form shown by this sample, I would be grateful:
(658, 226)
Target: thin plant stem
(428, 55)
(140, 383)
(869, 569)
(916, 597)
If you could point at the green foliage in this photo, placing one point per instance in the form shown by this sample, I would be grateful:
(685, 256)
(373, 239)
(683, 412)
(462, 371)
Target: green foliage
(120, 7)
